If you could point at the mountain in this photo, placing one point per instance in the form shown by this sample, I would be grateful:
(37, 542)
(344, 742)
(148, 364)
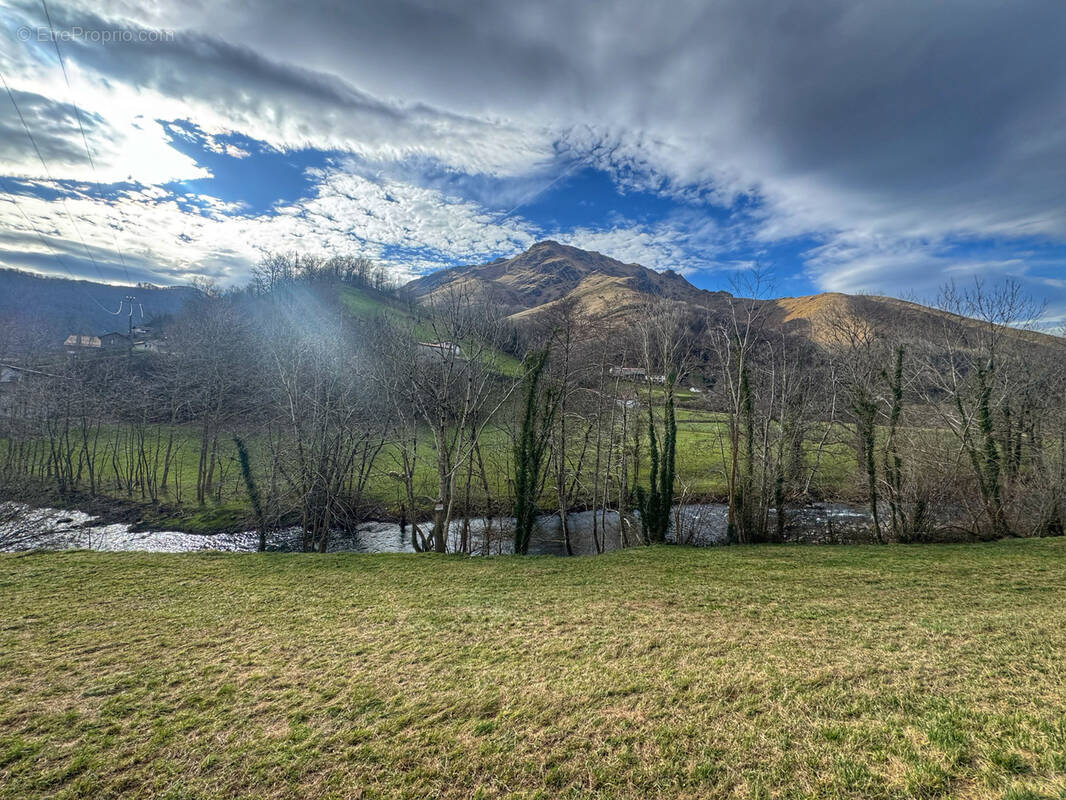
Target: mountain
(37, 311)
(549, 272)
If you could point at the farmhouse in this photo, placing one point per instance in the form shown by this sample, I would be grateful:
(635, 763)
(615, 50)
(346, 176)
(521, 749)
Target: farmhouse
(442, 349)
(636, 374)
(77, 341)
(114, 339)
(630, 373)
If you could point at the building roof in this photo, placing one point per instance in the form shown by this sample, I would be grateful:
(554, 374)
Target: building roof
(82, 340)
(442, 347)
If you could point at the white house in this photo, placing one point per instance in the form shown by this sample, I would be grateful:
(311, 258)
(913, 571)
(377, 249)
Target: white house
(441, 349)
(82, 340)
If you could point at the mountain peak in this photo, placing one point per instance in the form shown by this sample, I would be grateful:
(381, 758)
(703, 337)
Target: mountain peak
(545, 244)
(550, 271)
(549, 249)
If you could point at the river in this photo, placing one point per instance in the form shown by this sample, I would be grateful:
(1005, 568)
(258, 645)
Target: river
(590, 532)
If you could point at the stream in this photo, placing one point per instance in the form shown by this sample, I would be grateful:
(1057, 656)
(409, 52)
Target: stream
(590, 532)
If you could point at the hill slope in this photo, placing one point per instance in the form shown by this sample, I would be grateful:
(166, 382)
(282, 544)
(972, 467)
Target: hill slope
(548, 272)
(40, 309)
(532, 282)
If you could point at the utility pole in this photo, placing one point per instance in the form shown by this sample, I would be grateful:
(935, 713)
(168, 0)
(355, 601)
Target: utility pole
(130, 299)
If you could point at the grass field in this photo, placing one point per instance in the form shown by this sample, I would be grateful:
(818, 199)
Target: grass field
(865, 672)
(700, 468)
(369, 305)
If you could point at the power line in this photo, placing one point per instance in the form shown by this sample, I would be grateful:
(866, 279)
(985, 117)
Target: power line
(34, 372)
(48, 173)
(63, 66)
(12, 198)
(52, 250)
(81, 127)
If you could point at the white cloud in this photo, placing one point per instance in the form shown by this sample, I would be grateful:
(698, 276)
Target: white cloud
(660, 247)
(658, 250)
(224, 88)
(123, 144)
(174, 237)
(917, 270)
(886, 129)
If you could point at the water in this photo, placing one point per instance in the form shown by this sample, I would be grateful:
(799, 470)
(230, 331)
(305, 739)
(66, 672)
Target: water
(24, 528)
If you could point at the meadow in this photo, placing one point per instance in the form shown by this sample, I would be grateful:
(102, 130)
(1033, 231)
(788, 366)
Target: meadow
(701, 471)
(747, 672)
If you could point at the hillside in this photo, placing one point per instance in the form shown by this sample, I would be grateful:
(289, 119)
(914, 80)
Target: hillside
(548, 273)
(34, 308)
(820, 317)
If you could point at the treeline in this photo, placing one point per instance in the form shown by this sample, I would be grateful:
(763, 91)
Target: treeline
(278, 399)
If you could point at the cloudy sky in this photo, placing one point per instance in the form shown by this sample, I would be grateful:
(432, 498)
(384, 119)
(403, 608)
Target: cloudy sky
(885, 146)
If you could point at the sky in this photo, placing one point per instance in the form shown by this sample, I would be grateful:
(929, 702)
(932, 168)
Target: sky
(885, 147)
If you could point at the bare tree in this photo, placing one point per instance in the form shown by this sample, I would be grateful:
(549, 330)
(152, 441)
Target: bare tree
(860, 353)
(734, 339)
(330, 416)
(455, 381)
(975, 377)
(666, 339)
(568, 331)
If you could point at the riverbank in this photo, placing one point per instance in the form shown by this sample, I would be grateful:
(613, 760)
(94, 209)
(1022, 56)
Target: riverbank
(106, 509)
(863, 672)
(25, 528)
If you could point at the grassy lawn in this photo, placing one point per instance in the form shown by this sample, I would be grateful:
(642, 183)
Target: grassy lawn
(932, 671)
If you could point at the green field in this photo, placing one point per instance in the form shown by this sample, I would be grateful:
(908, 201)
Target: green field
(366, 305)
(749, 672)
(700, 470)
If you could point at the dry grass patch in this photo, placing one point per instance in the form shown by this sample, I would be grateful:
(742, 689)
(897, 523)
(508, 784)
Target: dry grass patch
(782, 672)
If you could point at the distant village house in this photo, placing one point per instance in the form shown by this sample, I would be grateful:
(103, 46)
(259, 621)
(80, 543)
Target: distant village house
(78, 341)
(144, 339)
(10, 375)
(630, 373)
(114, 339)
(636, 374)
(440, 349)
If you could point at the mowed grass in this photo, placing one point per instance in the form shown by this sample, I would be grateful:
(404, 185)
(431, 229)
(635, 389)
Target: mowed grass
(866, 672)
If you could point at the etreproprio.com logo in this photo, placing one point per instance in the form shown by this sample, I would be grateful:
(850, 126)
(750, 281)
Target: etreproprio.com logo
(93, 35)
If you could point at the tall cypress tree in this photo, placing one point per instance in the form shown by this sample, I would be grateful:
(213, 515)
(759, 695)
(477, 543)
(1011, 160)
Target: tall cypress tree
(648, 499)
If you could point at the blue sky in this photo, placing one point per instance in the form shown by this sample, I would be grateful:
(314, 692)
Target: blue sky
(886, 148)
